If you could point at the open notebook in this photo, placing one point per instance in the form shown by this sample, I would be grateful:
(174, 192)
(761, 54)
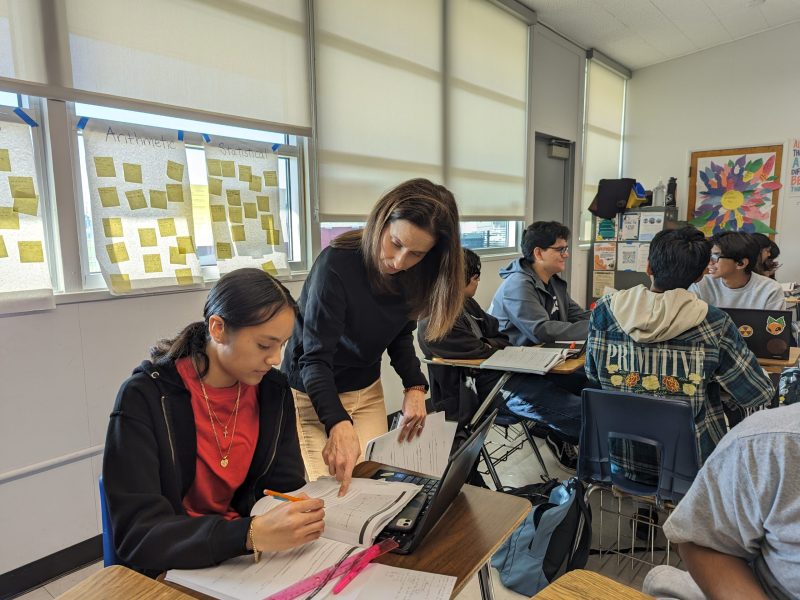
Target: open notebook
(525, 359)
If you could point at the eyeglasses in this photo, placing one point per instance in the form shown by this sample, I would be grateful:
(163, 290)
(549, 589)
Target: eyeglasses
(715, 257)
(562, 250)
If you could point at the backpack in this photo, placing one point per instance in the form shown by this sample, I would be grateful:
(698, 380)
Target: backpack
(544, 546)
(789, 386)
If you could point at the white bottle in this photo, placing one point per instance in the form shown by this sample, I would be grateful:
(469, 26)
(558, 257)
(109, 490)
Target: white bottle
(660, 194)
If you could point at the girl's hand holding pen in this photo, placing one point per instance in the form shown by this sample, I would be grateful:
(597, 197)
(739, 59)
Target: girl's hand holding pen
(295, 522)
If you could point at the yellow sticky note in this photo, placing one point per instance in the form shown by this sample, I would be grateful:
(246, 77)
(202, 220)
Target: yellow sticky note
(235, 214)
(120, 282)
(263, 203)
(9, 219)
(184, 276)
(218, 213)
(147, 237)
(108, 196)
(271, 178)
(267, 222)
(234, 197)
(175, 256)
(245, 173)
(21, 187)
(228, 168)
(214, 167)
(158, 199)
(214, 186)
(224, 250)
(5, 160)
(28, 206)
(250, 210)
(273, 236)
(104, 166)
(237, 232)
(117, 253)
(133, 172)
(3, 250)
(255, 183)
(175, 192)
(31, 252)
(112, 227)
(136, 199)
(174, 170)
(152, 263)
(166, 227)
(269, 267)
(185, 244)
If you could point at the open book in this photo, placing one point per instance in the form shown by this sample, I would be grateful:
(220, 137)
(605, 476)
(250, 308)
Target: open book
(525, 359)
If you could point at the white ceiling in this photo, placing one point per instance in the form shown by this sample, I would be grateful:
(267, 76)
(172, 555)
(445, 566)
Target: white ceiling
(639, 33)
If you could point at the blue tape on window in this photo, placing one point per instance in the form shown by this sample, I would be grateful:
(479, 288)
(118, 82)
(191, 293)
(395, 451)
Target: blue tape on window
(206, 137)
(180, 135)
(25, 117)
(82, 123)
(275, 147)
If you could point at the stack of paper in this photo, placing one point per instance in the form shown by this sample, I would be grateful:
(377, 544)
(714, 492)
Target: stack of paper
(525, 359)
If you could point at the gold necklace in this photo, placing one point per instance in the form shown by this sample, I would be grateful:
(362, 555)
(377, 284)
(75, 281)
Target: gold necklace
(224, 458)
(219, 421)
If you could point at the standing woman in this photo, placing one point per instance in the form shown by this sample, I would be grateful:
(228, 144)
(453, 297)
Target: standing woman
(361, 298)
(197, 434)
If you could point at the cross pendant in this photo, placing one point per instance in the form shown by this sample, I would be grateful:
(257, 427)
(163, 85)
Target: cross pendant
(225, 432)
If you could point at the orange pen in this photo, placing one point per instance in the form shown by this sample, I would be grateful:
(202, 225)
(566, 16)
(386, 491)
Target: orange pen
(281, 496)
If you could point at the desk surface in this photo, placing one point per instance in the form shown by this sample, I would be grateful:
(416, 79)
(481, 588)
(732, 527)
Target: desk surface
(794, 355)
(587, 585)
(122, 583)
(792, 300)
(567, 367)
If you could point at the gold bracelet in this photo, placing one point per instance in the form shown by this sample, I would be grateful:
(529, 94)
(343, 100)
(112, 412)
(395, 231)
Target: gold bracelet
(256, 551)
(421, 388)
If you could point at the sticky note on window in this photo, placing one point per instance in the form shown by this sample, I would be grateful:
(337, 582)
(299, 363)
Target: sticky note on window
(31, 252)
(267, 222)
(271, 178)
(175, 192)
(147, 237)
(185, 244)
(112, 227)
(214, 167)
(28, 206)
(120, 282)
(3, 249)
(273, 236)
(5, 160)
(245, 173)
(237, 232)
(269, 267)
(184, 276)
(174, 170)
(263, 203)
(235, 214)
(136, 199)
(255, 183)
(214, 186)
(152, 263)
(250, 211)
(104, 166)
(166, 227)
(108, 196)
(224, 251)
(9, 219)
(228, 168)
(234, 197)
(21, 187)
(158, 199)
(117, 253)
(175, 256)
(218, 213)
(133, 172)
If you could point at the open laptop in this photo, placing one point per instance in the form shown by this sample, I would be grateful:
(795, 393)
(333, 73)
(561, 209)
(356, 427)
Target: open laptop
(768, 333)
(440, 492)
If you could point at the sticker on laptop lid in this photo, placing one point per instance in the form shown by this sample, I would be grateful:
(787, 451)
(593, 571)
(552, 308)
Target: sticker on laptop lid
(776, 326)
(745, 330)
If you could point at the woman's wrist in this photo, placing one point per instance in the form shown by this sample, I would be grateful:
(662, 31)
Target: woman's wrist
(419, 388)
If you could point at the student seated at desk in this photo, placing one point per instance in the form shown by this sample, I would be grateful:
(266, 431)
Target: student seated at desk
(768, 255)
(198, 433)
(667, 342)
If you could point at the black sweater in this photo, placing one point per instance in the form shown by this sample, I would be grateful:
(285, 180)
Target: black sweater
(475, 334)
(149, 466)
(341, 334)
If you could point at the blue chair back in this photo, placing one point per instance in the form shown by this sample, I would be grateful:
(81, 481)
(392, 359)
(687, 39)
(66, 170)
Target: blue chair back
(665, 423)
(109, 553)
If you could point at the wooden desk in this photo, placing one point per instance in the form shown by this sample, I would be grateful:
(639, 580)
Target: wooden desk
(568, 367)
(122, 583)
(587, 585)
(464, 539)
(775, 365)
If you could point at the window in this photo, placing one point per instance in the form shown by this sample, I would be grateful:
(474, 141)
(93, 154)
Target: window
(490, 235)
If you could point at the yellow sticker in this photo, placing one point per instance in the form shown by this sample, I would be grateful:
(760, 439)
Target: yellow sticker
(273, 236)
(224, 251)
(108, 196)
(21, 187)
(136, 199)
(267, 222)
(166, 227)
(218, 213)
(271, 178)
(228, 168)
(133, 172)
(213, 167)
(3, 250)
(184, 276)
(185, 244)
(104, 166)
(117, 253)
(175, 192)
(214, 186)
(255, 183)
(152, 263)
(234, 197)
(31, 252)
(158, 199)
(112, 227)
(245, 173)
(174, 170)
(175, 256)
(235, 214)
(269, 267)
(147, 237)
(250, 210)
(120, 282)
(237, 232)
(9, 219)
(263, 203)
(5, 160)
(28, 206)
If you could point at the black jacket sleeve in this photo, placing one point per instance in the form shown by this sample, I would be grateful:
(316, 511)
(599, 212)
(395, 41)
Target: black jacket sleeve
(462, 340)
(403, 358)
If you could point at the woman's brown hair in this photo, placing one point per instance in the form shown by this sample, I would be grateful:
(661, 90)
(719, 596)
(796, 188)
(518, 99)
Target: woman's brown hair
(434, 287)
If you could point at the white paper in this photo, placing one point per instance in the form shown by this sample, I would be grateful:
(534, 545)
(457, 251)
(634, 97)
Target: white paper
(605, 256)
(642, 256)
(427, 453)
(394, 583)
(525, 359)
(630, 227)
(649, 225)
(626, 256)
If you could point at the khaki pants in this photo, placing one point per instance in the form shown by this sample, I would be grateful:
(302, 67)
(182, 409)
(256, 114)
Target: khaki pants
(367, 409)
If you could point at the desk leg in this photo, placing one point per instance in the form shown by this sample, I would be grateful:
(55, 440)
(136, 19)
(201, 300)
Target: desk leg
(485, 582)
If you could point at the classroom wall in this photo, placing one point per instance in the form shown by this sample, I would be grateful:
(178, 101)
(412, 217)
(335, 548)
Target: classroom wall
(740, 94)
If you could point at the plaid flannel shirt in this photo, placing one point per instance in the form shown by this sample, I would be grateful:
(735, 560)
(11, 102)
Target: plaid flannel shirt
(691, 365)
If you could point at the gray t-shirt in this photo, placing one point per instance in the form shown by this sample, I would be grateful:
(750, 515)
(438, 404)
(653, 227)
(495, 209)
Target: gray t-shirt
(746, 500)
(761, 293)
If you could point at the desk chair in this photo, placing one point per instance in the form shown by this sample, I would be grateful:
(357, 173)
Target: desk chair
(667, 424)
(109, 554)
